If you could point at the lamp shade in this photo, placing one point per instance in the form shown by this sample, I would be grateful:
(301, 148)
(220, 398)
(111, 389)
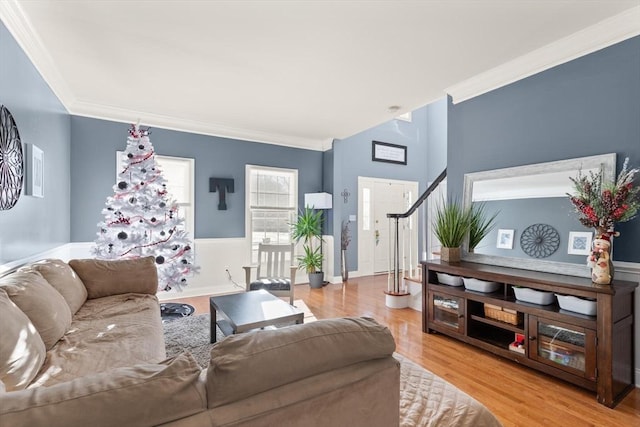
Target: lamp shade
(318, 200)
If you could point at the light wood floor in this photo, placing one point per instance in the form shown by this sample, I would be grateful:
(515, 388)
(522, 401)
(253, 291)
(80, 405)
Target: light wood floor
(517, 395)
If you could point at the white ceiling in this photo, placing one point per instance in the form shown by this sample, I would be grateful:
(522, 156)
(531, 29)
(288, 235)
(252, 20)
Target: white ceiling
(297, 73)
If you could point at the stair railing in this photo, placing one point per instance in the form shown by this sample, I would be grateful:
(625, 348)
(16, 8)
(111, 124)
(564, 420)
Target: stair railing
(396, 251)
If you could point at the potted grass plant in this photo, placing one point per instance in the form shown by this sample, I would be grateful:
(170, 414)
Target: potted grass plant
(308, 228)
(480, 224)
(451, 225)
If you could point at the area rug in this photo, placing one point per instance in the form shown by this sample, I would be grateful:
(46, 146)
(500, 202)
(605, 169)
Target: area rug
(192, 334)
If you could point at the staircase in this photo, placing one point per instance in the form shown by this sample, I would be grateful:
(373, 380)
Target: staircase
(402, 248)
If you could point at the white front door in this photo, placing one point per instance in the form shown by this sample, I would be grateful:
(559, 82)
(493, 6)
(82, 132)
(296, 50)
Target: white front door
(376, 198)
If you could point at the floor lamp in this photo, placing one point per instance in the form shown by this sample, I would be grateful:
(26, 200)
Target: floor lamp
(319, 201)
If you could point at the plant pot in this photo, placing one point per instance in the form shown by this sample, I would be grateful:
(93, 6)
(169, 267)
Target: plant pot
(316, 279)
(450, 254)
(400, 300)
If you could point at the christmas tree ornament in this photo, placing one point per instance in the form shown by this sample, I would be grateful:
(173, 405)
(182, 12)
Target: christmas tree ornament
(141, 204)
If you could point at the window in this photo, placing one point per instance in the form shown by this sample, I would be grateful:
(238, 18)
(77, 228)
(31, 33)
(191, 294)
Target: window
(366, 209)
(178, 171)
(272, 201)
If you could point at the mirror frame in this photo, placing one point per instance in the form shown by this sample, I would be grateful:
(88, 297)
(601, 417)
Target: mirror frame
(607, 162)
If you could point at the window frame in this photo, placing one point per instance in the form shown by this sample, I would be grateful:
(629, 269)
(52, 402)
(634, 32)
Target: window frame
(252, 253)
(187, 207)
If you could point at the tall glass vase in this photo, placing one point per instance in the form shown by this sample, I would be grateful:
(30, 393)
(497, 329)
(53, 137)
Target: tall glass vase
(343, 265)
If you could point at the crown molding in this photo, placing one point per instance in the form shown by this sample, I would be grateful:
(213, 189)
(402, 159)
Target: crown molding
(109, 112)
(603, 34)
(21, 29)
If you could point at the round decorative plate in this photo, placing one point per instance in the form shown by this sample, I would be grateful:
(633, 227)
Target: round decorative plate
(539, 240)
(11, 161)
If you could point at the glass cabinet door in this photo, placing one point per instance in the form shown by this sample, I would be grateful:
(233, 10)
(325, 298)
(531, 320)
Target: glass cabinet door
(570, 348)
(446, 310)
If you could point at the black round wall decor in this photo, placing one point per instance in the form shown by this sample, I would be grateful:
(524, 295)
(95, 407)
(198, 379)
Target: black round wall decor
(11, 161)
(539, 240)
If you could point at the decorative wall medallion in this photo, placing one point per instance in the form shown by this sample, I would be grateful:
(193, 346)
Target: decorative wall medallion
(11, 161)
(539, 240)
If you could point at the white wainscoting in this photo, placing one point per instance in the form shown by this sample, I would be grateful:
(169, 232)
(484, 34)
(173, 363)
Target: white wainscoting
(213, 256)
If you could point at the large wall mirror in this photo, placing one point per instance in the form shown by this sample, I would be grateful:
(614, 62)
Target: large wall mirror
(532, 201)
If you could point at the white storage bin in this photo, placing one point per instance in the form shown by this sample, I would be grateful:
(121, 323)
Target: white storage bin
(480, 285)
(448, 279)
(577, 305)
(533, 296)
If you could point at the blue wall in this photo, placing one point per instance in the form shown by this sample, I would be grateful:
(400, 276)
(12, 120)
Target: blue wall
(585, 107)
(35, 225)
(95, 142)
(352, 158)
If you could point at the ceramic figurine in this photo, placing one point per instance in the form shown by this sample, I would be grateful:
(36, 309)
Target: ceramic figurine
(600, 261)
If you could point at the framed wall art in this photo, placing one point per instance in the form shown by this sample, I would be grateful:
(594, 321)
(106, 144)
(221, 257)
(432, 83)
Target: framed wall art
(35, 171)
(505, 239)
(579, 242)
(389, 153)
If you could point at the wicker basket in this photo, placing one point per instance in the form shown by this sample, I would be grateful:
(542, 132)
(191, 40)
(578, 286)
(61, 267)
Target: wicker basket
(503, 314)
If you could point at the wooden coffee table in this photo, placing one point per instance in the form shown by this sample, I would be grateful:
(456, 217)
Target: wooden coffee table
(250, 310)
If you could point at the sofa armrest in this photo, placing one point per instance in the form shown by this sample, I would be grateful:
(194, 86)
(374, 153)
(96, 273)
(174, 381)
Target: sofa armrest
(105, 278)
(248, 364)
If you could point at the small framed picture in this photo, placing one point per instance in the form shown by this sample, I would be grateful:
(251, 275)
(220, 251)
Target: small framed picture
(505, 239)
(390, 153)
(35, 171)
(579, 242)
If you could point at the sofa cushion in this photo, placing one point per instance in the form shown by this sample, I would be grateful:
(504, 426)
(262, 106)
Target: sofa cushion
(42, 304)
(106, 333)
(291, 353)
(21, 348)
(64, 280)
(141, 395)
(103, 278)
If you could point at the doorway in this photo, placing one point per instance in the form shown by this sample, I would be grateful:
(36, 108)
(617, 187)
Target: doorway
(376, 198)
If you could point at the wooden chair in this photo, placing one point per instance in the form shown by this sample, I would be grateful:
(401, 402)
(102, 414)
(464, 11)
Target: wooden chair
(275, 271)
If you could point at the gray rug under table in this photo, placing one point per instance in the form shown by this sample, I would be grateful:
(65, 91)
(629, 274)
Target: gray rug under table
(190, 334)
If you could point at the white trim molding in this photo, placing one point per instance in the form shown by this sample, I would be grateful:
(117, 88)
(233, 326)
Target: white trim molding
(603, 34)
(123, 115)
(18, 24)
(20, 27)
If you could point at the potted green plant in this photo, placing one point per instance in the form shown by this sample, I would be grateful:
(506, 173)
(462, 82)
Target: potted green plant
(451, 225)
(480, 224)
(307, 228)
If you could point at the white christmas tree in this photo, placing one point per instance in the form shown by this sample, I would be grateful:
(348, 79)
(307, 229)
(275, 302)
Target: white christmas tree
(141, 219)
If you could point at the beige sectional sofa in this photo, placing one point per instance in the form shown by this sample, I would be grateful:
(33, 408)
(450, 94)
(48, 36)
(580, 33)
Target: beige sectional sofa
(81, 344)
